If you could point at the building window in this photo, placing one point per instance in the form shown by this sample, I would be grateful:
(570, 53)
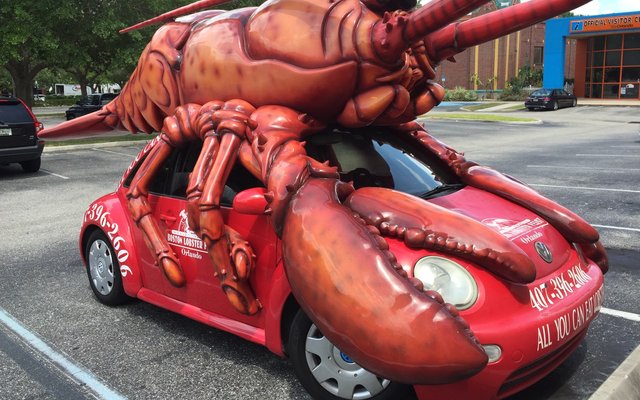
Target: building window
(613, 66)
(538, 52)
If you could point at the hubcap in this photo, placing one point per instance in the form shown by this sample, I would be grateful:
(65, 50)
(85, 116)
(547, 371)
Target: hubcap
(337, 372)
(101, 267)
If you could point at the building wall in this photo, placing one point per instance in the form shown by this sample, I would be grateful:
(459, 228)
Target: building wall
(566, 43)
(496, 62)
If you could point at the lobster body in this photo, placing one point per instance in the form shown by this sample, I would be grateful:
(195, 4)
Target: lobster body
(317, 61)
(251, 84)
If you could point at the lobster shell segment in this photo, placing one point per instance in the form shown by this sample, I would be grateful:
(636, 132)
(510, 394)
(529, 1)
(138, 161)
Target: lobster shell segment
(350, 286)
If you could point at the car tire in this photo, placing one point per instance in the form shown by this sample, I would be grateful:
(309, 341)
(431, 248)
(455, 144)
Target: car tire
(340, 372)
(575, 103)
(103, 270)
(31, 165)
(70, 117)
(555, 106)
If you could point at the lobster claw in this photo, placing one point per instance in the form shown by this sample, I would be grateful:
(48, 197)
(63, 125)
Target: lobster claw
(346, 280)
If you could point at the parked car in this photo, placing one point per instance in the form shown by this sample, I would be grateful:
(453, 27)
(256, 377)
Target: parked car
(526, 330)
(19, 142)
(89, 104)
(550, 99)
(39, 97)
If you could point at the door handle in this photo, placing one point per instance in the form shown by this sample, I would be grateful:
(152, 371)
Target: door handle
(167, 218)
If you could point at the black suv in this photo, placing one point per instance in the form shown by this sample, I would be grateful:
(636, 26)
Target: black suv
(18, 135)
(89, 104)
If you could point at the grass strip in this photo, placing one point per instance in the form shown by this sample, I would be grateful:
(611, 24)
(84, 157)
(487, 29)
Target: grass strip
(482, 106)
(479, 117)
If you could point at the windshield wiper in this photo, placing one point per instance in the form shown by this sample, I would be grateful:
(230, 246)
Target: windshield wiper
(447, 187)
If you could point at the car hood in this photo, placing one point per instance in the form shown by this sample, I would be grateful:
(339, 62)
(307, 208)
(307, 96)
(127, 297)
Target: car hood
(519, 225)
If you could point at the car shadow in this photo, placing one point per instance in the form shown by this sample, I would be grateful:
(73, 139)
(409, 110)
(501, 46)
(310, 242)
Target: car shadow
(14, 171)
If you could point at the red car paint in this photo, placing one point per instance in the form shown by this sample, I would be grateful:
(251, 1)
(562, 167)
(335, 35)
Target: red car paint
(537, 326)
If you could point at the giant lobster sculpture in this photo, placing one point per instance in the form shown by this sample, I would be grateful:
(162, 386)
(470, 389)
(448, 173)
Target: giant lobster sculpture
(251, 84)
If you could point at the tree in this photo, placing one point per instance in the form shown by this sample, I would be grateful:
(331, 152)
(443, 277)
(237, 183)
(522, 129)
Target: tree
(78, 36)
(29, 39)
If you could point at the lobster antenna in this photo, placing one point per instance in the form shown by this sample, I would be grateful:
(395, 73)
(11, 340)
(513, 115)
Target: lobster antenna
(188, 9)
(458, 36)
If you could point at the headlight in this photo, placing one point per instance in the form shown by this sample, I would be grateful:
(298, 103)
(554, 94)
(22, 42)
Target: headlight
(450, 279)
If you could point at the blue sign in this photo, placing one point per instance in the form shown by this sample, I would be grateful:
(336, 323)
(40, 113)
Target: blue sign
(577, 26)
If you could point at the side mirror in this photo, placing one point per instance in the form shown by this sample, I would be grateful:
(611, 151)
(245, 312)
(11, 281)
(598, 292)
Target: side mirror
(250, 201)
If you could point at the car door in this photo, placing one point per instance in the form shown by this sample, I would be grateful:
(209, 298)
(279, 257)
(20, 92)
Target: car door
(167, 198)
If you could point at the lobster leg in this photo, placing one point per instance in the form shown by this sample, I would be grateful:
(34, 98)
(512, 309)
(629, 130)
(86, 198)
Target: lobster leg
(231, 255)
(571, 226)
(141, 211)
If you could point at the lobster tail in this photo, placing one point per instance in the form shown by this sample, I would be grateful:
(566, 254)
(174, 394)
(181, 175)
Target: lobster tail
(459, 36)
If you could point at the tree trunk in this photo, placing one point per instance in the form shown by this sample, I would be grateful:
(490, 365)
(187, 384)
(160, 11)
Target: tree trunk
(23, 75)
(84, 82)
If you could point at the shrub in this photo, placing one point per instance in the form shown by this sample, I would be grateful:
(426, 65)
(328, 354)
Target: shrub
(513, 93)
(460, 94)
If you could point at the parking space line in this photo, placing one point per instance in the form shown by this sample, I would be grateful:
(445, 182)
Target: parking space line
(54, 174)
(589, 168)
(621, 314)
(584, 188)
(609, 155)
(80, 374)
(619, 228)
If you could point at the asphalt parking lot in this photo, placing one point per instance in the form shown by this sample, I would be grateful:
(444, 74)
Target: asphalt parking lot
(586, 158)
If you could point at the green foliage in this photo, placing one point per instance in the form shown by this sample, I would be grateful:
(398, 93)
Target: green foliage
(57, 101)
(512, 93)
(527, 76)
(77, 36)
(6, 84)
(460, 94)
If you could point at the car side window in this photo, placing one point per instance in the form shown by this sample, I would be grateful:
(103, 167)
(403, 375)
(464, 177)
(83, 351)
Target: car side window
(173, 177)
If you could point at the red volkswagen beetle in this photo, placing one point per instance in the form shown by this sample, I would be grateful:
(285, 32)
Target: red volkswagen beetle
(525, 330)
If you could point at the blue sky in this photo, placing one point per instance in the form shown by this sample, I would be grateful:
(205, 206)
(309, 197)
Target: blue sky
(596, 7)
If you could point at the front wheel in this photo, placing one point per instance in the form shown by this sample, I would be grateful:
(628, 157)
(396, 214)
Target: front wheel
(329, 374)
(103, 270)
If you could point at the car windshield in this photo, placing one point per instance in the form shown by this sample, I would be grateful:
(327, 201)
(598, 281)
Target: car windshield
(13, 112)
(382, 158)
(542, 92)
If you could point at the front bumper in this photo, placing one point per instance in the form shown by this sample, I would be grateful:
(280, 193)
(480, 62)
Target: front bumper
(534, 341)
(19, 154)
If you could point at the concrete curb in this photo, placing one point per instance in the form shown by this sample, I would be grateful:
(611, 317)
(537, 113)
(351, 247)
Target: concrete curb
(624, 383)
(55, 149)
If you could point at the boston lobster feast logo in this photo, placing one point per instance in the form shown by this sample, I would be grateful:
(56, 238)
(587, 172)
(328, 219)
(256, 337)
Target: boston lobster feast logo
(189, 243)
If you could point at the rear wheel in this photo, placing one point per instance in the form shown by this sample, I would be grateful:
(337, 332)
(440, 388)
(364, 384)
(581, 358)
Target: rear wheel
(103, 270)
(31, 165)
(329, 374)
(575, 103)
(555, 105)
